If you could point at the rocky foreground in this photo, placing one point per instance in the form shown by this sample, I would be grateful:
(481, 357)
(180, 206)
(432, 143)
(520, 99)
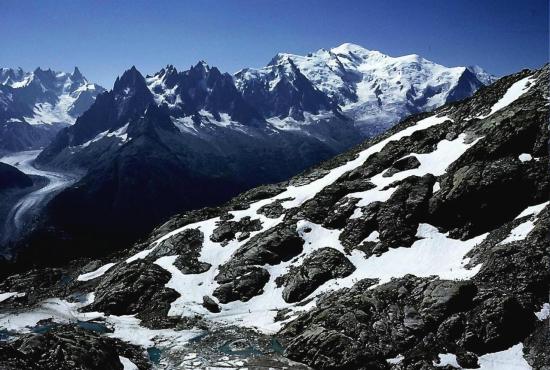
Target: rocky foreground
(425, 248)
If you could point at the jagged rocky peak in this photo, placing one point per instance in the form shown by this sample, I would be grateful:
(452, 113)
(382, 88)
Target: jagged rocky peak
(77, 75)
(132, 96)
(280, 90)
(202, 92)
(51, 80)
(201, 68)
(406, 251)
(167, 74)
(130, 82)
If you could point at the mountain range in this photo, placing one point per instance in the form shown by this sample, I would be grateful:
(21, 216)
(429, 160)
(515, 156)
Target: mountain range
(34, 106)
(176, 140)
(425, 247)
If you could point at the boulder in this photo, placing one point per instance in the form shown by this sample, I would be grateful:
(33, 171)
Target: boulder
(322, 265)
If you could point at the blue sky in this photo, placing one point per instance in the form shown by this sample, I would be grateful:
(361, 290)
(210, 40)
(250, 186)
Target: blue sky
(105, 37)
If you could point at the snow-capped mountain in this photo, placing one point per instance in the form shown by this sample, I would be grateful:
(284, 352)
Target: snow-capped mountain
(220, 134)
(293, 93)
(406, 252)
(369, 87)
(154, 146)
(201, 94)
(35, 105)
(281, 90)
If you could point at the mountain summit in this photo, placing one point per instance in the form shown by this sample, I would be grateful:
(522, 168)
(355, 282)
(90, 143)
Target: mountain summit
(371, 88)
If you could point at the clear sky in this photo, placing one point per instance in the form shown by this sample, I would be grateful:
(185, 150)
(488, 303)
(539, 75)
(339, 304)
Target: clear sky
(105, 37)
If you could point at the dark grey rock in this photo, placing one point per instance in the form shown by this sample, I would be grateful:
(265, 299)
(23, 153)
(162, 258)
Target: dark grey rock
(67, 348)
(240, 283)
(322, 265)
(280, 243)
(407, 163)
(132, 288)
(210, 304)
(187, 246)
(226, 230)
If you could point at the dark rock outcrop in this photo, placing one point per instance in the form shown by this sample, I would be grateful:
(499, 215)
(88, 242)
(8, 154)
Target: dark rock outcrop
(137, 287)
(322, 265)
(67, 348)
(240, 283)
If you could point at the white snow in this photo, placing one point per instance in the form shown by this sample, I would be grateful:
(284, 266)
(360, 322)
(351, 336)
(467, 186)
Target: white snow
(434, 254)
(533, 210)
(512, 94)
(48, 113)
(525, 157)
(357, 213)
(436, 187)
(544, 312)
(447, 359)
(25, 82)
(291, 124)
(521, 231)
(4, 296)
(224, 121)
(300, 194)
(373, 237)
(127, 364)
(434, 163)
(161, 93)
(120, 133)
(60, 310)
(96, 273)
(185, 124)
(510, 359)
(396, 360)
(128, 328)
(62, 97)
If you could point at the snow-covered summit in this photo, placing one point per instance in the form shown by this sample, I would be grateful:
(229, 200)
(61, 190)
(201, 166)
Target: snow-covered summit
(44, 96)
(369, 86)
